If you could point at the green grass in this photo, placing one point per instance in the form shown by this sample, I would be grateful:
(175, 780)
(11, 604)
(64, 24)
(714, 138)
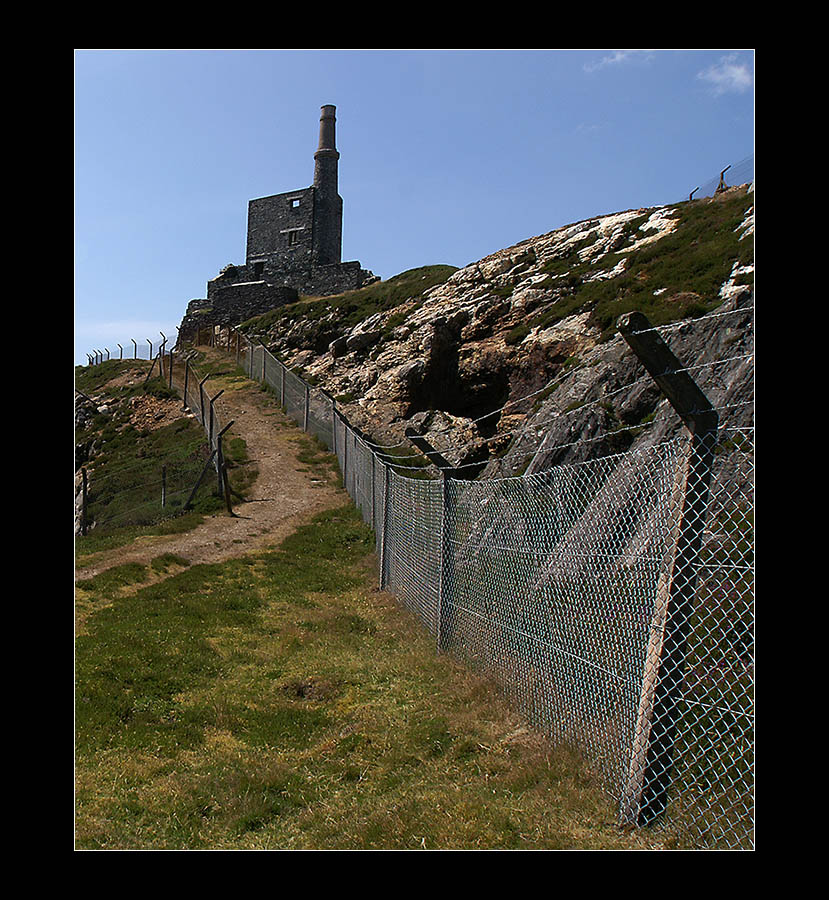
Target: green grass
(279, 701)
(354, 306)
(129, 463)
(688, 266)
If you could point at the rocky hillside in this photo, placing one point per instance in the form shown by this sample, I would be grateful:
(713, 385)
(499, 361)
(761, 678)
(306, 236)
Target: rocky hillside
(452, 352)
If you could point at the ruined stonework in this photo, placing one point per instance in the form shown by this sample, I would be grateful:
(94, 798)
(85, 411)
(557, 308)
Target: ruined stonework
(294, 246)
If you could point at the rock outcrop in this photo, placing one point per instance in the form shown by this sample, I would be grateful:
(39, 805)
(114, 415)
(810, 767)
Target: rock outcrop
(537, 320)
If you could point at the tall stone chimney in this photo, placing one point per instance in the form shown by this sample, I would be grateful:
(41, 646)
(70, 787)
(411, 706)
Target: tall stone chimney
(328, 205)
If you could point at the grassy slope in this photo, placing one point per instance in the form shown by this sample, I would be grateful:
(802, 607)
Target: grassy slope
(280, 701)
(125, 473)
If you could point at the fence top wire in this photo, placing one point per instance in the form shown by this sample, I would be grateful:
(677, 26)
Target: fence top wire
(398, 461)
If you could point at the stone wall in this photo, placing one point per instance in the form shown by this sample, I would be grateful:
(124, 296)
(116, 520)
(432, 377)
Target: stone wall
(281, 230)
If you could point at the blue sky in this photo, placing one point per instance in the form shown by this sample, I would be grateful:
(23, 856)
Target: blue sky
(445, 156)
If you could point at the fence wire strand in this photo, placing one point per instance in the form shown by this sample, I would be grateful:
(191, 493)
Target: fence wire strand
(579, 590)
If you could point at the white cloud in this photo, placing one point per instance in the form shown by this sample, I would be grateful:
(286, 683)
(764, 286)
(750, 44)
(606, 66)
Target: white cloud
(727, 76)
(615, 58)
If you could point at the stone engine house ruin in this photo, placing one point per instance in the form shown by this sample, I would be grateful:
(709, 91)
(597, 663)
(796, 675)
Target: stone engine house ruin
(294, 246)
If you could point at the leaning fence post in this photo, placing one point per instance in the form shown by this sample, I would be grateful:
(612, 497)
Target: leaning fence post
(650, 772)
(199, 480)
(170, 369)
(163, 486)
(307, 405)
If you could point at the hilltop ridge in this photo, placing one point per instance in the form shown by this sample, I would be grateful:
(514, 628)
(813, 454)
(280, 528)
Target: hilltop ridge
(452, 352)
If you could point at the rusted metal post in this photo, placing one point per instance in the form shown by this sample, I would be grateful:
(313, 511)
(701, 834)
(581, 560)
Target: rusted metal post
(651, 765)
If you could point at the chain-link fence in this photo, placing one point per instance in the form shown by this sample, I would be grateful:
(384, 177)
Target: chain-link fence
(158, 488)
(612, 600)
(738, 173)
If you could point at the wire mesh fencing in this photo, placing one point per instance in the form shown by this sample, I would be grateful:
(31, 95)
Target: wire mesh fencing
(154, 489)
(738, 173)
(610, 599)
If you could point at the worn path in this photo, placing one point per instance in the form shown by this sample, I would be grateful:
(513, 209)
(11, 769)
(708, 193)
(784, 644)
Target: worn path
(285, 494)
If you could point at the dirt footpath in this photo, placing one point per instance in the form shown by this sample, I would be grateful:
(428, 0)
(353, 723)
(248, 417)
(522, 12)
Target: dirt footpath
(284, 495)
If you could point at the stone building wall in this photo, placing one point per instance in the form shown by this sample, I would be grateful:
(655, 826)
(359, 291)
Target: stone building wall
(294, 246)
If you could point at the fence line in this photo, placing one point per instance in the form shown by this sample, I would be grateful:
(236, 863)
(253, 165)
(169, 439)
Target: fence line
(738, 173)
(175, 487)
(580, 589)
(582, 592)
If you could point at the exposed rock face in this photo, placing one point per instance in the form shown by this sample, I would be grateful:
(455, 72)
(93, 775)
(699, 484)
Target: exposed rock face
(454, 361)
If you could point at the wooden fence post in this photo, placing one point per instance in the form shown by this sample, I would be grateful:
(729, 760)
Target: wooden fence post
(650, 772)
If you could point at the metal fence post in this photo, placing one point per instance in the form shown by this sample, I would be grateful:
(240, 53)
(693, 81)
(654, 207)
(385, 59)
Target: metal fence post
(443, 560)
(212, 400)
(384, 554)
(373, 523)
(307, 405)
(83, 501)
(651, 763)
(201, 398)
(186, 379)
(224, 484)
